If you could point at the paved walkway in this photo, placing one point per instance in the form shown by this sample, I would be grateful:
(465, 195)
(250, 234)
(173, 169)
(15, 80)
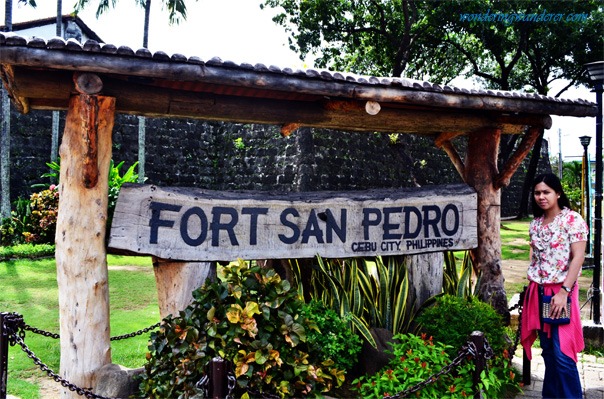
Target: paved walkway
(591, 370)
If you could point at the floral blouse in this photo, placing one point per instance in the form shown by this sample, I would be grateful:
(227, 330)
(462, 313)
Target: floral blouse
(551, 246)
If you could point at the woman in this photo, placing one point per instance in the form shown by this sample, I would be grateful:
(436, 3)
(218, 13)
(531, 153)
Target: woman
(558, 237)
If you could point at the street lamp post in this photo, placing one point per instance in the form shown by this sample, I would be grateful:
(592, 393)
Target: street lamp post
(595, 70)
(585, 140)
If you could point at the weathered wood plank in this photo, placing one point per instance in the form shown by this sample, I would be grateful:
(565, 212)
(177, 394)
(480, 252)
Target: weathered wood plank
(198, 225)
(142, 99)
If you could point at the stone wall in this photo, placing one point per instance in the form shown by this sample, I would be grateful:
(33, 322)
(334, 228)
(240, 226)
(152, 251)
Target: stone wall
(225, 156)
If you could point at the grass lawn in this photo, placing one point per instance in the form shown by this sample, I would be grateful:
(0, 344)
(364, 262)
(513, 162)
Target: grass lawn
(30, 288)
(515, 240)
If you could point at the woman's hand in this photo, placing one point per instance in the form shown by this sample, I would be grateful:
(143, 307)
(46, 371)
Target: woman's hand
(558, 304)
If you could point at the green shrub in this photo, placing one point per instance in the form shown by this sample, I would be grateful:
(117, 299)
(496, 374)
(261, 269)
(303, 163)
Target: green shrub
(332, 336)
(452, 319)
(12, 228)
(32, 251)
(42, 224)
(368, 292)
(251, 318)
(34, 220)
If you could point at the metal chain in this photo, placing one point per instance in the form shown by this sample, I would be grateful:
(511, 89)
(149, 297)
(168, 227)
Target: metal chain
(468, 349)
(16, 337)
(203, 384)
(134, 334)
(35, 330)
(519, 330)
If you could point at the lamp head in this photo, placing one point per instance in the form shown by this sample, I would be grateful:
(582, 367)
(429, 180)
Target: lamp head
(585, 140)
(595, 71)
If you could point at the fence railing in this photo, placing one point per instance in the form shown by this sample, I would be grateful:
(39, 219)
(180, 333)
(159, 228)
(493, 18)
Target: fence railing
(219, 380)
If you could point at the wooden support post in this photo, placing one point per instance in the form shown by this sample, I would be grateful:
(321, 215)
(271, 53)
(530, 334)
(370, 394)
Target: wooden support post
(80, 239)
(481, 173)
(176, 281)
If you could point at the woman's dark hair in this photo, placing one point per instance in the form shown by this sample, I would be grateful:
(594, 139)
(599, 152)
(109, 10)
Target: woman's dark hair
(552, 181)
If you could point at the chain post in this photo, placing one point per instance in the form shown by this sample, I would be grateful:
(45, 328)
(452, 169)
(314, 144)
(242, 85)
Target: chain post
(218, 371)
(478, 339)
(526, 369)
(3, 356)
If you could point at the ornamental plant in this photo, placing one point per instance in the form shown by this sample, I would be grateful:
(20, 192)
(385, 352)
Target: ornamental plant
(332, 335)
(33, 221)
(43, 218)
(251, 318)
(415, 360)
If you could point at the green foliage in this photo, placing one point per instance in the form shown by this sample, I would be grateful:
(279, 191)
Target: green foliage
(415, 360)
(115, 184)
(452, 320)
(366, 291)
(239, 144)
(458, 280)
(34, 221)
(428, 39)
(332, 336)
(251, 318)
(30, 251)
(13, 227)
(177, 9)
(572, 175)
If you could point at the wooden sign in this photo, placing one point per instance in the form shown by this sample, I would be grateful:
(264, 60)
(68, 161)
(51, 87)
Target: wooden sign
(201, 225)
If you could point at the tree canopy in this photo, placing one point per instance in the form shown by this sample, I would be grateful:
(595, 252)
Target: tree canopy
(507, 45)
(511, 45)
(177, 9)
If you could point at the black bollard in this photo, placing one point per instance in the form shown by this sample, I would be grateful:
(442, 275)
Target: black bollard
(3, 357)
(218, 371)
(526, 369)
(480, 361)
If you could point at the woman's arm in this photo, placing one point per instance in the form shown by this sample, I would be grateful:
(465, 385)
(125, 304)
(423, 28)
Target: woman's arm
(577, 256)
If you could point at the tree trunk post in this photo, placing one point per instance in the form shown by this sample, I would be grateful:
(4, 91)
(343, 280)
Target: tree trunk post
(425, 276)
(176, 281)
(81, 255)
(481, 173)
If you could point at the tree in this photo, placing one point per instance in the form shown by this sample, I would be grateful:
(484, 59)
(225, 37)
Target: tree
(177, 9)
(516, 45)
(552, 42)
(5, 128)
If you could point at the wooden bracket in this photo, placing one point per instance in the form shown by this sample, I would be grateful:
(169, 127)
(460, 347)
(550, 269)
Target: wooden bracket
(289, 128)
(444, 142)
(508, 170)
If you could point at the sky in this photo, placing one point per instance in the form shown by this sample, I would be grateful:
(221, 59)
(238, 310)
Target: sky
(239, 31)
